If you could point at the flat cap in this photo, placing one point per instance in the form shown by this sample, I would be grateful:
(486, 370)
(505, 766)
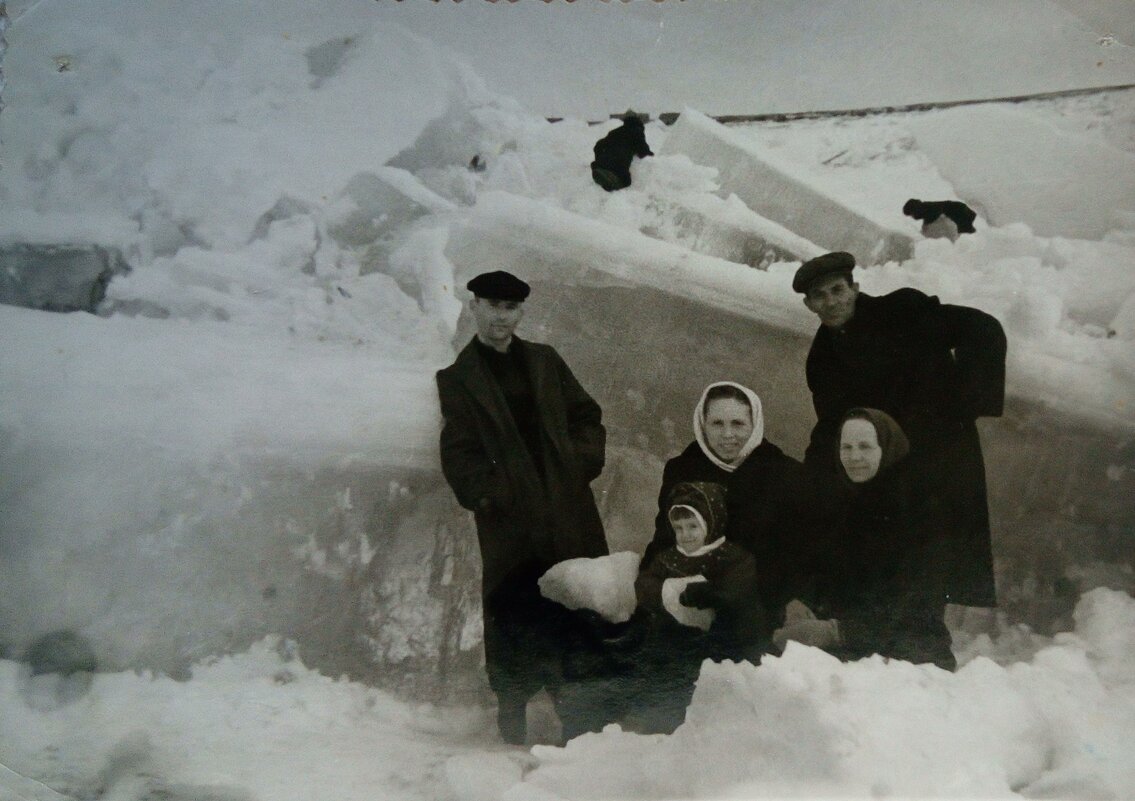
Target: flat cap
(828, 264)
(498, 285)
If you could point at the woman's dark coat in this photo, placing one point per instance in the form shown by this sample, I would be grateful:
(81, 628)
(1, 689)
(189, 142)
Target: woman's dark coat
(519, 518)
(935, 368)
(885, 584)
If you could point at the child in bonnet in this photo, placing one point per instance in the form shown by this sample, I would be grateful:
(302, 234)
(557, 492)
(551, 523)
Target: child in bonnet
(699, 598)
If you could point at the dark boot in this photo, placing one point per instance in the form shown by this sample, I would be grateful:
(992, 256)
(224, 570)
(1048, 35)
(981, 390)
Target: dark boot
(512, 719)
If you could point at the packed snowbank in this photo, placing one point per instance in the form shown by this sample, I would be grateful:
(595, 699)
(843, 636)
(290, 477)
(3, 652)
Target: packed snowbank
(298, 232)
(258, 725)
(804, 725)
(185, 122)
(261, 725)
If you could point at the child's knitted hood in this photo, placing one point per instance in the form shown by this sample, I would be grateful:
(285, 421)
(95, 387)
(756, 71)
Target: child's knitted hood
(705, 498)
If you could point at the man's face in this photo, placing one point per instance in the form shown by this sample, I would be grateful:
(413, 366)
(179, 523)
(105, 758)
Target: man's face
(496, 319)
(832, 298)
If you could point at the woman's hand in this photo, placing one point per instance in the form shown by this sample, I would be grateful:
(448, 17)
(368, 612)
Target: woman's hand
(817, 633)
(796, 610)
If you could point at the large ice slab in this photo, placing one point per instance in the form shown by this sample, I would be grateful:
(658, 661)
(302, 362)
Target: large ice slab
(1017, 167)
(1080, 376)
(537, 239)
(774, 190)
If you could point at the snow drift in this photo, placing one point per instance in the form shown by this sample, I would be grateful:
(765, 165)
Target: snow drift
(244, 442)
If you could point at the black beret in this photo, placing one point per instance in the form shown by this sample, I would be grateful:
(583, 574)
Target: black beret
(829, 263)
(498, 285)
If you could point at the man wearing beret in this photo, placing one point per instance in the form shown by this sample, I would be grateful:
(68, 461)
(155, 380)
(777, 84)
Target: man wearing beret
(521, 441)
(933, 367)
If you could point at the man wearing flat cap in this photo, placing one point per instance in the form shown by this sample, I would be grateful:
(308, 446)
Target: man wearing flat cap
(935, 368)
(521, 441)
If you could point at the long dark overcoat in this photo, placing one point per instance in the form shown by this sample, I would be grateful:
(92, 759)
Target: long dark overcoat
(935, 368)
(483, 456)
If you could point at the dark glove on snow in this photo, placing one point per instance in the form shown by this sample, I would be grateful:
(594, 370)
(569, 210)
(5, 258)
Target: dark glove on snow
(698, 596)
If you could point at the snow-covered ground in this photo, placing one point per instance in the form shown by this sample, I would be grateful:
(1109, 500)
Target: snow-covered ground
(203, 464)
(259, 725)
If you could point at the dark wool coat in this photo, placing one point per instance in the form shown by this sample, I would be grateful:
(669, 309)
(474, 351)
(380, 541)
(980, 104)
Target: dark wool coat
(730, 590)
(521, 520)
(935, 368)
(885, 585)
(762, 498)
(617, 150)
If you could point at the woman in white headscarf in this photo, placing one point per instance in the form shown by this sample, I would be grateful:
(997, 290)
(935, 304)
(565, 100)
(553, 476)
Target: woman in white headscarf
(762, 488)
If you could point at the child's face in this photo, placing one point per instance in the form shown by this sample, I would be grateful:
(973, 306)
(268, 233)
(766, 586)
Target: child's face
(689, 533)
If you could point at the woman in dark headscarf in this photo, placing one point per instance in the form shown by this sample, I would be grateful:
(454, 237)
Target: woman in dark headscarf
(881, 593)
(760, 481)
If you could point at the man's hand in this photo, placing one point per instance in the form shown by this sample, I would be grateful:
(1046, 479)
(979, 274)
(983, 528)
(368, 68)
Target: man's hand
(817, 633)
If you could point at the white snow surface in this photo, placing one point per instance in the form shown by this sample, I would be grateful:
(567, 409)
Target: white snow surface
(672, 589)
(290, 189)
(260, 725)
(604, 584)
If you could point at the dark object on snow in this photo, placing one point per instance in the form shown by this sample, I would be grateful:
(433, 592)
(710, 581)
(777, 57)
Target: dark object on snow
(601, 663)
(476, 165)
(59, 670)
(930, 210)
(59, 278)
(935, 368)
(615, 152)
(62, 652)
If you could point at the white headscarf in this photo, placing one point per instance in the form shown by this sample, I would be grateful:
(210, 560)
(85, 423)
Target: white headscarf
(754, 439)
